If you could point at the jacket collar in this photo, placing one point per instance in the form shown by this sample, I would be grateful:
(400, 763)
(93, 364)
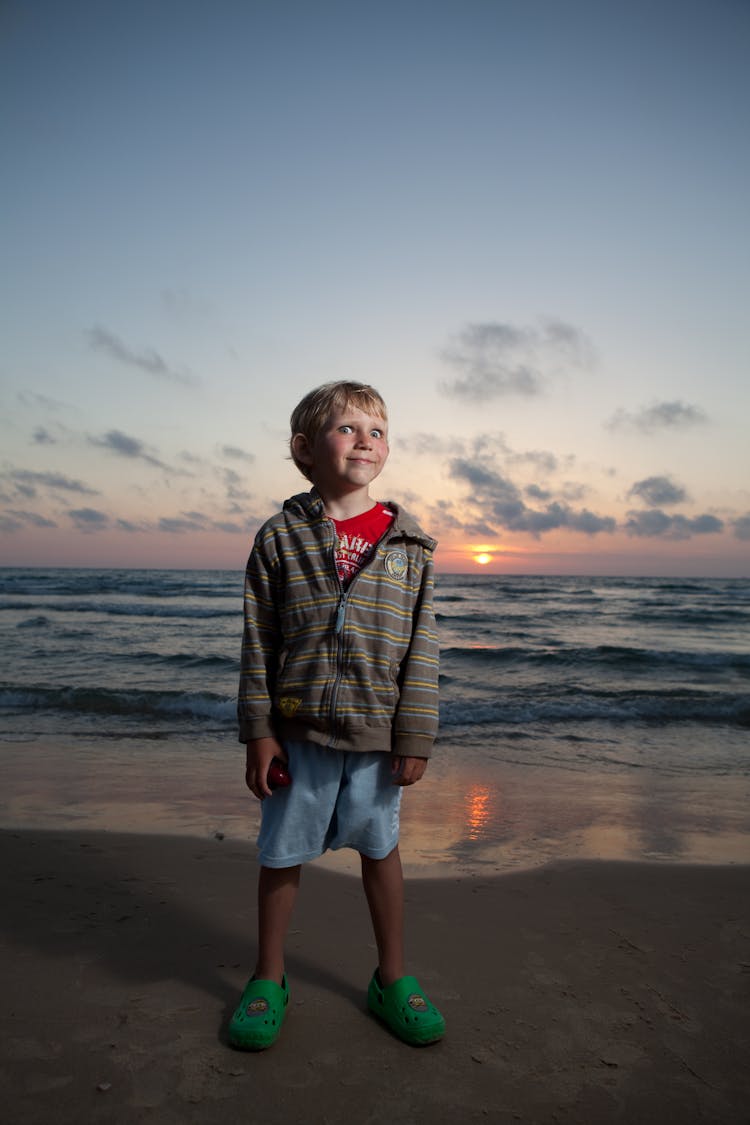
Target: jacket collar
(310, 505)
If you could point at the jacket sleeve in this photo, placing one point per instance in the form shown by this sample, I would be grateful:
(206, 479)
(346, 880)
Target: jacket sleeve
(415, 724)
(260, 642)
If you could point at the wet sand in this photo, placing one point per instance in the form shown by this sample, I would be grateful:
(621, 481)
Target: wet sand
(464, 818)
(582, 992)
(581, 981)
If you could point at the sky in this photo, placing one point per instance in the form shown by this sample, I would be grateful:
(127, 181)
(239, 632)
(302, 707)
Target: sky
(524, 221)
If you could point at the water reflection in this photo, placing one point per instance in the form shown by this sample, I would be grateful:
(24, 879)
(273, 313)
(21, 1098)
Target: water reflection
(515, 817)
(470, 814)
(478, 811)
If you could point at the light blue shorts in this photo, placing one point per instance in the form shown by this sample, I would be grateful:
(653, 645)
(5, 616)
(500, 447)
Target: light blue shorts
(337, 799)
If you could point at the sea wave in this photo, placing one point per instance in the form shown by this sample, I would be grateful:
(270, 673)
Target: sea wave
(184, 660)
(631, 659)
(142, 704)
(31, 582)
(691, 616)
(578, 706)
(616, 708)
(658, 663)
(124, 609)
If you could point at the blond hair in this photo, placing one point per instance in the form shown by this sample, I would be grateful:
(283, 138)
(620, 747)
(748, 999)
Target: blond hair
(311, 414)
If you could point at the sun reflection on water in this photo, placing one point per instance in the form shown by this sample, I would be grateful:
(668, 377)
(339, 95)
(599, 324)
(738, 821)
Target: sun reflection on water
(478, 810)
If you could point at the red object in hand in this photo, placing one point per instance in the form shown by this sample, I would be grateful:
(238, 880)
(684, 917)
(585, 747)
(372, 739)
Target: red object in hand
(278, 776)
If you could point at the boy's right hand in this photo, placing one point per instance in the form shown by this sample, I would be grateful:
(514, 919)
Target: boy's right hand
(260, 753)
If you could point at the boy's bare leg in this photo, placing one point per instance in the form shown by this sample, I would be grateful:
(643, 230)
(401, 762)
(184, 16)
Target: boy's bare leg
(383, 881)
(277, 894)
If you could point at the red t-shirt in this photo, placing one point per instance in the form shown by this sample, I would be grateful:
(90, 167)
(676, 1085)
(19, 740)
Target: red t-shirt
(357, 539)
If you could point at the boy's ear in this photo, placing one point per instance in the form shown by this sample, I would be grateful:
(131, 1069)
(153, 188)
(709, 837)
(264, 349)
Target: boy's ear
(301, 449)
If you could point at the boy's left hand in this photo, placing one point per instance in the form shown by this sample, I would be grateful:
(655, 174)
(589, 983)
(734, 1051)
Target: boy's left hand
(407, 770)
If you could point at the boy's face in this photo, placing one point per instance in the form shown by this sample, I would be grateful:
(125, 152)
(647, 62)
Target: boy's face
(348, 452)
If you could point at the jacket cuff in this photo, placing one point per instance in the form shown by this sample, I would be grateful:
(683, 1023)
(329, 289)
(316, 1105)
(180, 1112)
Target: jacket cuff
(259, 727)
(413, 745)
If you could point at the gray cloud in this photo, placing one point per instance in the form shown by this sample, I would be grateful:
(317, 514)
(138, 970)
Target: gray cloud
(187, 522)
(482, 478)
(535, 492)
(234, 453)
(16, 519)
(27, 483)
(89, 519)
(9, 524)
(658, 416)
(572, 490)
(654, 523)
(741, 527)
(125, 446)
(102, 340)
(31, 398)
(442, 517)
(191, 458)
(502, 504)
(30, 519)
(128, 525)
(477, 529)
(231, 528)
(41, 436)
(191, 522)
(234, 486)
(658, 491)
(490, 443)
(424, 443)
(184, 307)
(198, 521)
(545, 462)
(589, 523)
(496, 359)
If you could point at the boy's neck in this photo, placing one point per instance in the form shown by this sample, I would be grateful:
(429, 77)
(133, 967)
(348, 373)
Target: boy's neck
(348, 506)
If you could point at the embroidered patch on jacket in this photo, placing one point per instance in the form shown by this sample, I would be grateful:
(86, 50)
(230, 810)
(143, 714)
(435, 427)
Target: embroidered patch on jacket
(288, 705)
(396, 564)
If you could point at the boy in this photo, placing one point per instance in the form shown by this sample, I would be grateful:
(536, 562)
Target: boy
(339, 683)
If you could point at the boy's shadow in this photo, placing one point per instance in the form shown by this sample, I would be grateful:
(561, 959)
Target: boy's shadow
(156, 909)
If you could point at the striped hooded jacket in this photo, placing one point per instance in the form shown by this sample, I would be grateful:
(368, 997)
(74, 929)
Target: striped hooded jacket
(351, 669)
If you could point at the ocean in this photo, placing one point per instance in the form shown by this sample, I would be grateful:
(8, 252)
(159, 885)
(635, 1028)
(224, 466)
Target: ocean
(595, 685)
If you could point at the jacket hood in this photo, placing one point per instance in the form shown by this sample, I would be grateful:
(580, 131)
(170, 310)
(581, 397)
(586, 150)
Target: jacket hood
(310, 505)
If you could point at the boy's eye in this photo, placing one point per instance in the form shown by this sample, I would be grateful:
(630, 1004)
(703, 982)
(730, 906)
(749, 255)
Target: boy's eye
(347, 428)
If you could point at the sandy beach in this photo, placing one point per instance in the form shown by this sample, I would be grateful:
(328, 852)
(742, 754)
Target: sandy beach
(574, 992)
(463, 819)
(586, 976)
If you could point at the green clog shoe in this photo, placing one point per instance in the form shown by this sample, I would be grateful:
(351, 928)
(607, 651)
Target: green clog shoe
(258, 1017)
(404, 1008)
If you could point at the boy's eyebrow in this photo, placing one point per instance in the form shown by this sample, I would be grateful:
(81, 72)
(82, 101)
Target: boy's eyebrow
(345, 421)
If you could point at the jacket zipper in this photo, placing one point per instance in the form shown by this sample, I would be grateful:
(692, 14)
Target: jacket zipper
(338, 628)
(337, 631)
